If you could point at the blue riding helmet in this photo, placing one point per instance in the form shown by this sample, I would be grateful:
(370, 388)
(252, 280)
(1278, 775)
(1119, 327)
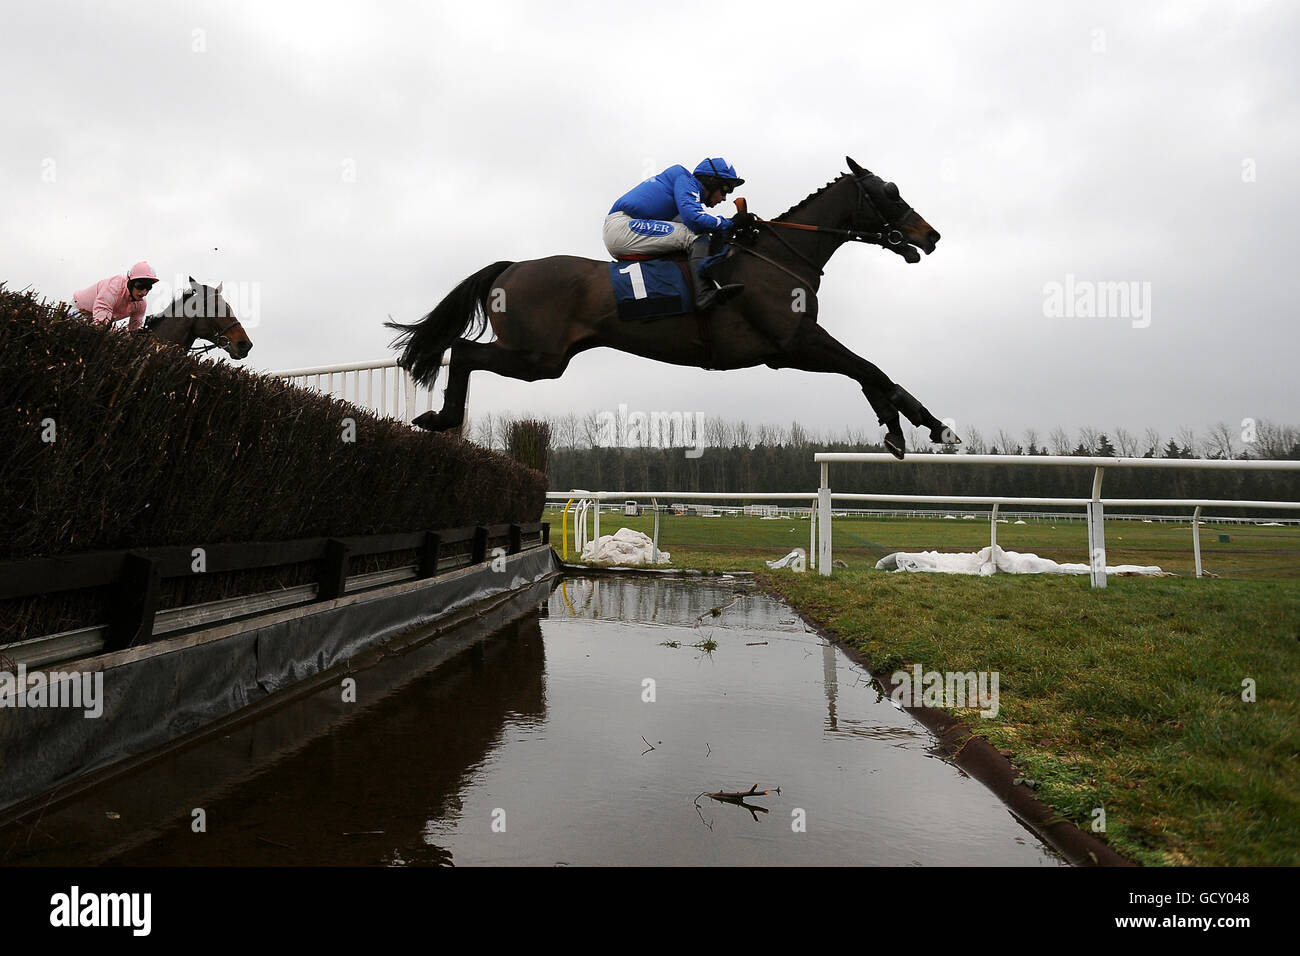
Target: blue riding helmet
(720, 170)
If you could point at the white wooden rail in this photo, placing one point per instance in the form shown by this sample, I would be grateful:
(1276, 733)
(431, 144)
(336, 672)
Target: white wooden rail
(1095, 504)
(381, 386)
(820, 540)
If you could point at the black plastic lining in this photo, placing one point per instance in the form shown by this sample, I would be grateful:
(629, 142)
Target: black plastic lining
(150, 701)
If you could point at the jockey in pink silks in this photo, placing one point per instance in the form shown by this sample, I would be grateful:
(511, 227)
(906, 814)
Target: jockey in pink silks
(118, 297)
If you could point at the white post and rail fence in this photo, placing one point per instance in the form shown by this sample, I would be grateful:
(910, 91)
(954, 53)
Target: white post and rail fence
(820, 504)
(380, 386)
(389, 390)
(1095, 505)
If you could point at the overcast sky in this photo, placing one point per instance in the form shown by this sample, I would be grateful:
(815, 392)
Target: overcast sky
(336, 164)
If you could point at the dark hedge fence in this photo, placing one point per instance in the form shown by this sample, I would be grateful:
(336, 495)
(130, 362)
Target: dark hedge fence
(111, 441)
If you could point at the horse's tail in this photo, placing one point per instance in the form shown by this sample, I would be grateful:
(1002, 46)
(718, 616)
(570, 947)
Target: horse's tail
(460, 315)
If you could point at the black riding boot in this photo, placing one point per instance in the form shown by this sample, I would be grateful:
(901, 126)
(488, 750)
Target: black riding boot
(919, 415)
(707, 291)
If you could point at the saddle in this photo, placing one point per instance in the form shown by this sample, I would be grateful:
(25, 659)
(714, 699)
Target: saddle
(650, 287)
(656, 266)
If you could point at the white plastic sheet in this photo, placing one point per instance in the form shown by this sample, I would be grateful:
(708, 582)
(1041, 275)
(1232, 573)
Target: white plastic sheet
(795, 559)
(994, 560)
(624, 546)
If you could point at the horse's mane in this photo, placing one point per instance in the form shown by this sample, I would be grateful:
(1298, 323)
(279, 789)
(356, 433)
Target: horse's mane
(810, 197)
(170, 310)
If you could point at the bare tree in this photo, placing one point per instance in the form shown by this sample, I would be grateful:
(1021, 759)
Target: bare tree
(1126, 442)
(642, 434)
(1060, 440)
(1090, 439)
(1153, 442)
(717, 432)
(1007, 443)
(1219, 442)
(974, 440)
(1274, 441)
(485, 430)
(501, 433)
(1187, 441)
(565, 429)
(744, 435)
(1031, 442)
(593, 430)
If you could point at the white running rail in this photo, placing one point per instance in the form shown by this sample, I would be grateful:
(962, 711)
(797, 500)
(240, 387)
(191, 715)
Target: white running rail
(379, 386)
(820, 514)
(1094, 505)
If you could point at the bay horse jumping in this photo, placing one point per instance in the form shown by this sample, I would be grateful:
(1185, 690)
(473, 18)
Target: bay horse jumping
(199, 312)
(546, 311)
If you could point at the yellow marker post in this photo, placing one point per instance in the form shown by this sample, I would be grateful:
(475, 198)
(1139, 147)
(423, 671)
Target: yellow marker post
(564, 531)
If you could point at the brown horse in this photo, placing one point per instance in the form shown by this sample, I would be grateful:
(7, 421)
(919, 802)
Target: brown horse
(545, 311)
(200, 312)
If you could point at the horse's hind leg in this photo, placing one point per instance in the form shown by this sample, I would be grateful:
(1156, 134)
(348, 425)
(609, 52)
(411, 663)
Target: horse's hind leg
(466, 357)
(452, 413)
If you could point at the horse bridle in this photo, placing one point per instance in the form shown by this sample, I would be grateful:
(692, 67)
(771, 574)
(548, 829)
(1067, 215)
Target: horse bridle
(218, 339)
(890, 234)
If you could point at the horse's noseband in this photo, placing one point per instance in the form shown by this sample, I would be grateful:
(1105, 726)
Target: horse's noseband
(219, 340)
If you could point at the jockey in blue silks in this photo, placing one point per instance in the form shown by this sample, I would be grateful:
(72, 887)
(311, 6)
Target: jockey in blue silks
(666, 214)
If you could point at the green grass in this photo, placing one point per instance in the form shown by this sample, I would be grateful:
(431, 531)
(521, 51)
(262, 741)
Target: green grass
(1127, 698)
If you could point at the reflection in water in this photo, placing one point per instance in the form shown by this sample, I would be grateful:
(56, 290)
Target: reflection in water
(388, 778)
(830, 682)
(320, 781)
(577, 735)
(671, 601)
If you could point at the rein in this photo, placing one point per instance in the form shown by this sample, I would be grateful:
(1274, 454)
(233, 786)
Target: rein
(890, 235)
(219, 340)
(786, 269)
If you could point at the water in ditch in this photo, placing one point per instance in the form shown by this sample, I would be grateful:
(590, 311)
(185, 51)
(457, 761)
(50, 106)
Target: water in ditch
(589, 731)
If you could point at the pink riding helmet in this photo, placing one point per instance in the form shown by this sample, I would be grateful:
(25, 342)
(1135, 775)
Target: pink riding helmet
(142, 270)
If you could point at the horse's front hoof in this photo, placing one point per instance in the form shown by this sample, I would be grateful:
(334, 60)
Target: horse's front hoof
(943, 435)
(429, 421)
(896, 444)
